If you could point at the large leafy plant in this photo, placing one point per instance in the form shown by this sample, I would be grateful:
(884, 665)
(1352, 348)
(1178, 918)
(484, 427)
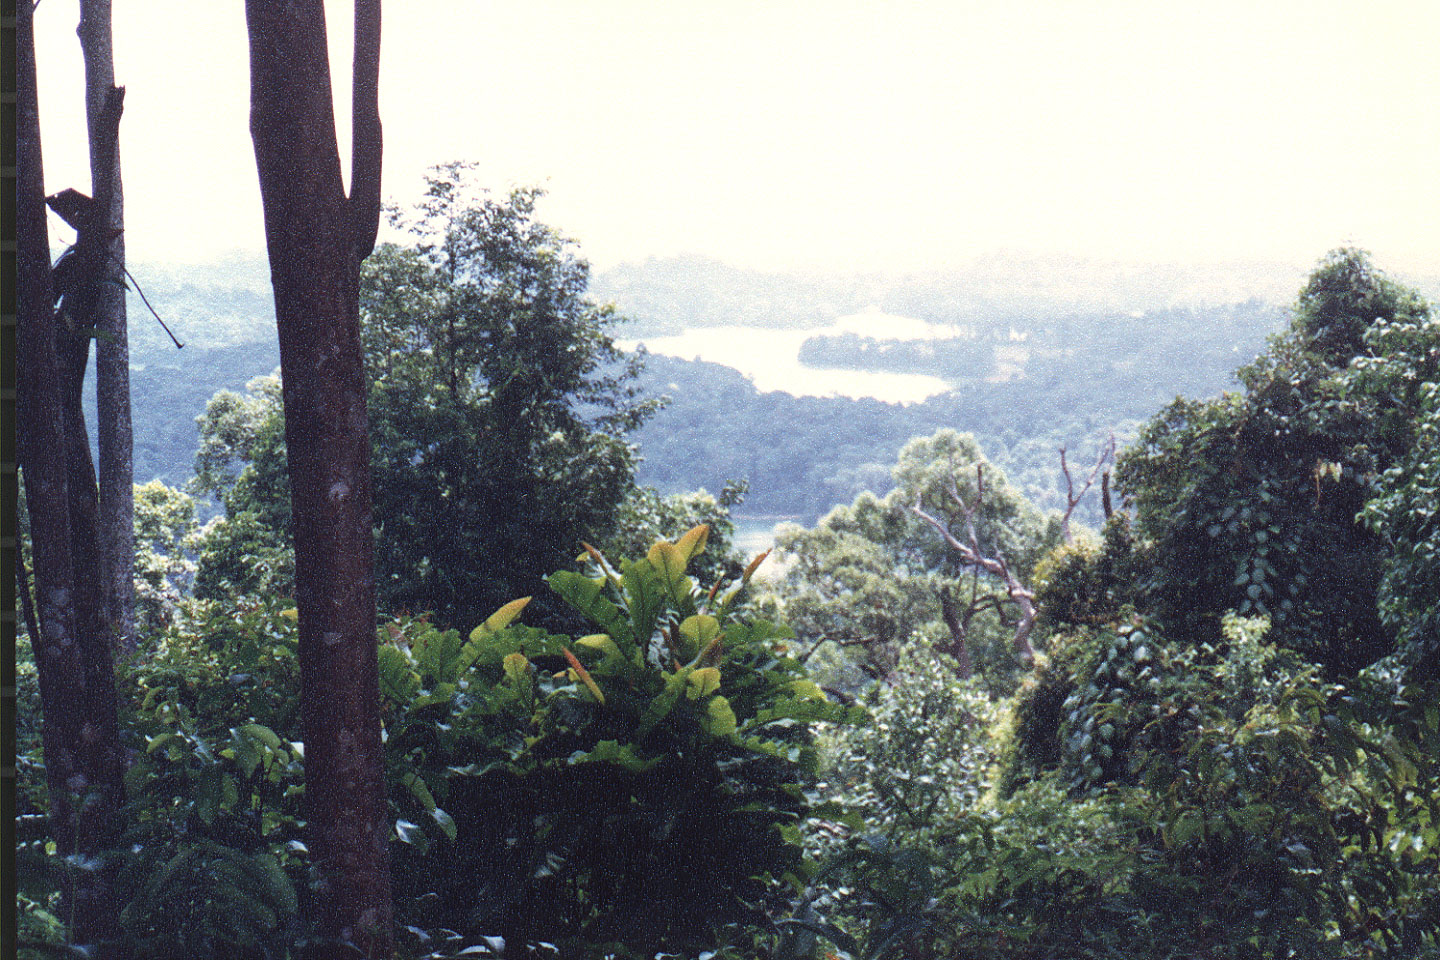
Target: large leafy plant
(637, 788)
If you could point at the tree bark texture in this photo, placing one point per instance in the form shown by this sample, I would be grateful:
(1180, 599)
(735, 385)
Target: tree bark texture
(314, 234)
(112, 352)
(79, 734)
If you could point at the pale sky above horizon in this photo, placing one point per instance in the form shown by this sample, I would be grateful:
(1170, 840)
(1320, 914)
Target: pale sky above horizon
(825, 133)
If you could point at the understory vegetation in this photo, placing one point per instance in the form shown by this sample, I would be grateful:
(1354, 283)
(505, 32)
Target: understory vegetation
(947, 723)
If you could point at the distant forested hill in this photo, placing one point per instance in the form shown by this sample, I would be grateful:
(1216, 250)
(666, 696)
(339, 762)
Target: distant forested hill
(224, 315)
(665, 296)
(1069, 381)
(1035, 373)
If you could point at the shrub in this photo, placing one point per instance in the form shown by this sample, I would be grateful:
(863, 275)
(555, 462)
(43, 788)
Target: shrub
(634, 789)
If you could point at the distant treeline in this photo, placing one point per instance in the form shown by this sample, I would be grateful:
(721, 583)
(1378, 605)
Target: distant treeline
(1025, 385)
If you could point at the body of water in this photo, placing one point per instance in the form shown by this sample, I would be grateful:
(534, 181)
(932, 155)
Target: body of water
(771, 358)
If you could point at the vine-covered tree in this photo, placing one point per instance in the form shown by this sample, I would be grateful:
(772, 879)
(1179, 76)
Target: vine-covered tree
(316, 235)
(1248, 502)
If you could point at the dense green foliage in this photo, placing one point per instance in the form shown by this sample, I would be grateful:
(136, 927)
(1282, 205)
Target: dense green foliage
(1226, 748)
(1174, 780)
(584, 790)
(497, 403)
(657, 770)
(1249, 502)
(869, 576)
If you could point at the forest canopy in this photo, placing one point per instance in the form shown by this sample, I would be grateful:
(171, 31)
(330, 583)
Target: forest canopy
(952, 722)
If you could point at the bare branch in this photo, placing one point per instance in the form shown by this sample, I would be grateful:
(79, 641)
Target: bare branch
(1072, 499)
(971, 555)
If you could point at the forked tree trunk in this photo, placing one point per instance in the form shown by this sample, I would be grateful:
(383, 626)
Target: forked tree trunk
(79, 734)
(316, 237)
(116, 518)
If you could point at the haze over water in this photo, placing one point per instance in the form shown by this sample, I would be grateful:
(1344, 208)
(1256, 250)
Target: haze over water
(771, 358)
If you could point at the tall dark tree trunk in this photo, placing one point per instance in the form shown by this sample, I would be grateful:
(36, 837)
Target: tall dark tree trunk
(79, 733)
(316, 236)
(116, 518)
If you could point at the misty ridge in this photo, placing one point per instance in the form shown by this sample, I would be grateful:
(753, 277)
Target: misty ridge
(1027, 353)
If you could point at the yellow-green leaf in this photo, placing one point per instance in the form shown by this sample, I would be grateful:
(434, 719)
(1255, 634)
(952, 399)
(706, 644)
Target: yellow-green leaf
(501, 618)
(700, 629)
(720, 719)
(598, 641)
(516, 665)
(669, 562)
(693, 542)
(703, 682)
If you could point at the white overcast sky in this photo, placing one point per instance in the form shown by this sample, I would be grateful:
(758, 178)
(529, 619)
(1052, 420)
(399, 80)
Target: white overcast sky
(831, 133)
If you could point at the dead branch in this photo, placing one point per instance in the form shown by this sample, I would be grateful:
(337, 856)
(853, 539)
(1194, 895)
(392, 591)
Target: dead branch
(971, 555)
(1072, 499)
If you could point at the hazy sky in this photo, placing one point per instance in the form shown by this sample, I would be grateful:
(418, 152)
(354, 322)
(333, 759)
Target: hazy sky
(826, 133)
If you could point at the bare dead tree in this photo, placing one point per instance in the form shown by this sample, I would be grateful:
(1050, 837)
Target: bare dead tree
(973, 557)
(1072, 499)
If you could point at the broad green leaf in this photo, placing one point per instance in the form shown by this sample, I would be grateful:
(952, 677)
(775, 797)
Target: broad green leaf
(446, 822)
(719, 719)
(693, 542)
(587, 596)
(660, 707)
(436, 653)
(696, 633)
(703, 682)
(669, 564)
(700, 629)
(247, 755)
(419, 791)
(262, 733)
(229, 792)
(611, 751)
(501, 618)
(644, 597)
